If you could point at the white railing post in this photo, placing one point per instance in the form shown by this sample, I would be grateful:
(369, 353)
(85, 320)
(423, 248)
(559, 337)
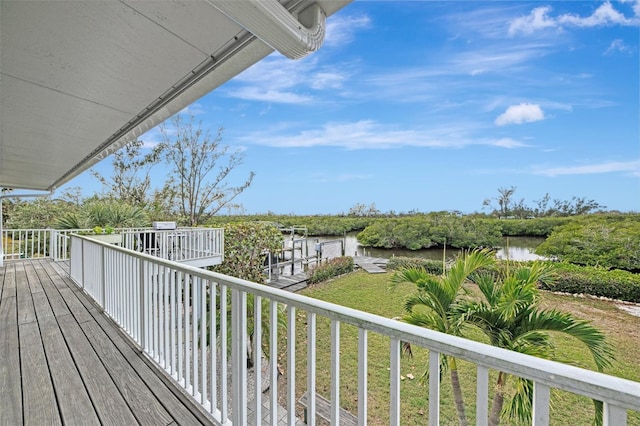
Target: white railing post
(434, 388)
(394, 386)
(53, 246)
(614, 416)
(362, 376)
(541, 395)
(291, 364)
(144, 332)
(257, 356)
(273, 361)
(103, 278)
(482, 396)
(311, 368)
(239, 356)
(335, 372)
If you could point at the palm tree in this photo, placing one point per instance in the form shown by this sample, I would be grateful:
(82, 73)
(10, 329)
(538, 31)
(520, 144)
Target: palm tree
(509, 314)
(434, 306)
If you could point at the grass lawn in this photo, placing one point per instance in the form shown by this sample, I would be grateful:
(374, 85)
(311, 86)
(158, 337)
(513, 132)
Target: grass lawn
(371, 293)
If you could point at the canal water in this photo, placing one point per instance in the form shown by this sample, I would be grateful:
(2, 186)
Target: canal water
(513, 248)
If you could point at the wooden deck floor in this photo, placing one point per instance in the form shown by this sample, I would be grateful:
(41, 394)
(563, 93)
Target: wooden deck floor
(63, 362)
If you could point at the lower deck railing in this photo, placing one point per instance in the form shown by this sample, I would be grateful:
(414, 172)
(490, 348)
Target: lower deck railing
(200, 326)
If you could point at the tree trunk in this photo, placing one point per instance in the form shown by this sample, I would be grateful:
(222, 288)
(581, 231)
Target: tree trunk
(457, 392)
(498, 400)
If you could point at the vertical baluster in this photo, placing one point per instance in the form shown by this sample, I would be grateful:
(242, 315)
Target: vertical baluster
(273, 361)
(291, 364)
(239, 356)
(335, 372)
(224, 368)
(165, 309)
(187, 332)
(180, 326)
(213, 346)
(156, 312)
(394, 391)
(135, 297)
(203, 340)
(434, 388)
(172, 327)
(540, 404)
(482, 396)
(362, 376)
(194, 334)
(614, 415)
(257, 354)
(311, 368)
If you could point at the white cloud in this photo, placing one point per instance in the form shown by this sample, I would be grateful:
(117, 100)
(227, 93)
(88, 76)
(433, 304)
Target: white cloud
(280, 80)
(327, 80)
(611, 167)
(518, 114)
(508, 143)
(340, 30)
(254, 93)
(617, 45)
(368, 134)
(605, 15)
(535, 21)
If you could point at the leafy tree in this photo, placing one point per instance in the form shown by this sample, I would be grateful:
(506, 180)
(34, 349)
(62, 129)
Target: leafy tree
(503, 200)
(360, 210)
(104, 213)
(130, 180)
(509, 314)
(201, 167)
(434, 306)
(36, 213)
(246, 247)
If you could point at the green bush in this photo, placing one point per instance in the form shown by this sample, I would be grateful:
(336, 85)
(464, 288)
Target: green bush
(610, 241)
(400, 262)
(537, 227)
(331, 268)
(595, 281)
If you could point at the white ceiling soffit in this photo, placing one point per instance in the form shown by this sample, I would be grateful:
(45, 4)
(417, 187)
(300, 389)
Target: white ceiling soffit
(81, 78)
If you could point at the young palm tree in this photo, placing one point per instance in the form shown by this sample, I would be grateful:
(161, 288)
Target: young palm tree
(510, 316)
(434, 306)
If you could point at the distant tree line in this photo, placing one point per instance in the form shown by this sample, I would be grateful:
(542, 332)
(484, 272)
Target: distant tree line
(505, 206)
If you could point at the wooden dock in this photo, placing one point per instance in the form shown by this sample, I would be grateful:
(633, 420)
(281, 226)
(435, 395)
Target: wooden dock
(373, 265)
(292, 283)
(63, 362)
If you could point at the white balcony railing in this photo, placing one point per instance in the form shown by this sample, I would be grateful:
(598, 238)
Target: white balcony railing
(165, 307)
(30, 243)
(195, 246)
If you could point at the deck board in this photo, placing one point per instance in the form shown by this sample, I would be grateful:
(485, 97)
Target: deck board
(10, 386)
(63, 362)
(73, 400)
(110, 406)
(37, 389)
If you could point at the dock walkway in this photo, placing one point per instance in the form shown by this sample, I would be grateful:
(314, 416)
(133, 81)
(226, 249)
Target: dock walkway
(373, 265)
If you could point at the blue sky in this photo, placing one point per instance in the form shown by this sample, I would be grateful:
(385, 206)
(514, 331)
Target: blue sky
(429, 106)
